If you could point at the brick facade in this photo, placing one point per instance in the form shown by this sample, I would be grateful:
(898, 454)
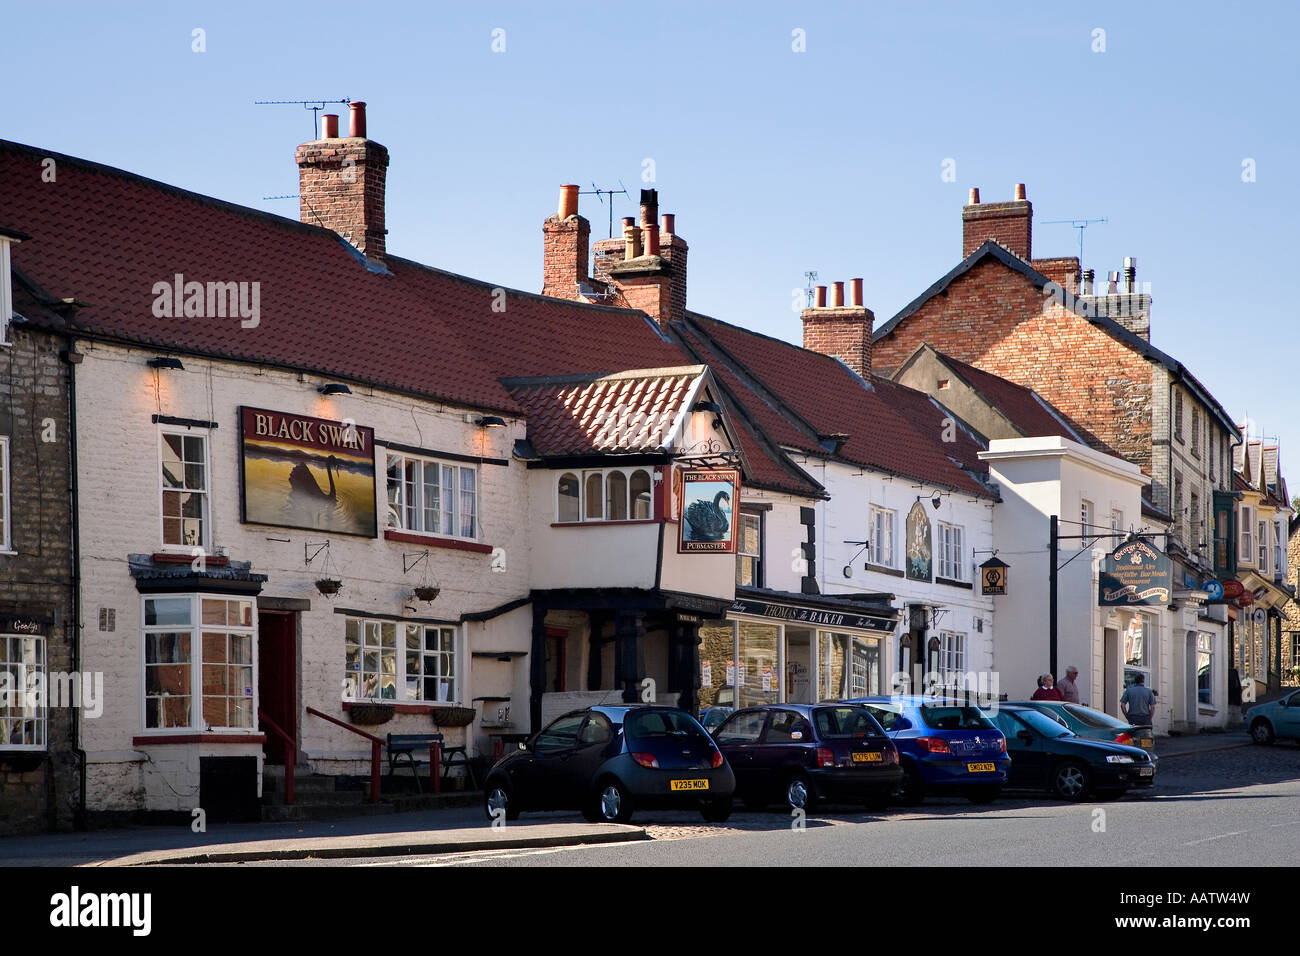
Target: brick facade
(341, 187)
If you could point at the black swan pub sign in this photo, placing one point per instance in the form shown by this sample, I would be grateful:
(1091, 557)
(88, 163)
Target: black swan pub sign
(301, 472)
(710, 498)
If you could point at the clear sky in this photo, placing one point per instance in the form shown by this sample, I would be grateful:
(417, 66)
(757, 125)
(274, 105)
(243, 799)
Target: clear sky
(774, 161)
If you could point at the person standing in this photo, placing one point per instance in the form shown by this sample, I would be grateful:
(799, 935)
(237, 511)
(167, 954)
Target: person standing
(1069, 690)
(1138, 702)
(1046, 690)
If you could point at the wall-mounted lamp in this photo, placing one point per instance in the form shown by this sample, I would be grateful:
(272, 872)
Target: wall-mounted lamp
(166, 361)
(485, 421)
(333, 388)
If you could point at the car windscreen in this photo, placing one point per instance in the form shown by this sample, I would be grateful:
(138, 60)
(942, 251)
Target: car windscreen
(953, 717)
(1043, 724)
(1094, 718)
(662, 724)
(846, 722)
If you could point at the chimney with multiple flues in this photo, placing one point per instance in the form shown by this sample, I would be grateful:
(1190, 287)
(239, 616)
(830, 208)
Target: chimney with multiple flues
(840, 330)
(1123, 301)
(341, 183)
(1006, 223)
(566, 237)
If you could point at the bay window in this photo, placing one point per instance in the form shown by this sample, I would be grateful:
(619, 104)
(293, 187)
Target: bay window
(610, 494)
(198, 663)
(22, 711)
(432, 497)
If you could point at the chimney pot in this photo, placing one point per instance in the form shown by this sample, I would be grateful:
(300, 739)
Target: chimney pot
(855, 292)
(1088, 276)
(819, 300)
(1130, 274)
(330, 128)
(670, 222)
(1020, 191)
(649, 207)
(837, 295)
(974, 196)
(1112, 279)
(651, 233)
(568, 201)
(357, 120)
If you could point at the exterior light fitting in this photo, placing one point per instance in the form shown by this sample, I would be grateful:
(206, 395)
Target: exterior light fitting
(485, 421)
(166, 361)
(333, 388)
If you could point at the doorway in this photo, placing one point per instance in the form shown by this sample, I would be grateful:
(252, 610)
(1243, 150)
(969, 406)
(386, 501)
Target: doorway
(277, 682)
(1110, 671)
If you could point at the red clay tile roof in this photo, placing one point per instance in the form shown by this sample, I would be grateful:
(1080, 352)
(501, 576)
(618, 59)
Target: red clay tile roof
(624, 413)
(890, 427)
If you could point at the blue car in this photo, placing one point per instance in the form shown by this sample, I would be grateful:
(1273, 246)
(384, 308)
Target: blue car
(945, 747)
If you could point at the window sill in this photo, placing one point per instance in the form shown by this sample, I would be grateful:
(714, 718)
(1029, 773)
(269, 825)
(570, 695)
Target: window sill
(189, 737)
(965, 585)
(455, 544)
(882, 569)
(403, 708)
(593, 523)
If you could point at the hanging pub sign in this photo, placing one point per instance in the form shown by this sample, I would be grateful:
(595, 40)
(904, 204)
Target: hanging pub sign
(918, 543)
(708, 499)
(1135, 573)
(993, 575)
(301, 472)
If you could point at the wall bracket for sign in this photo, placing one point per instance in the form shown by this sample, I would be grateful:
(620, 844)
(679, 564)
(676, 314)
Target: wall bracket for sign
(311, 551)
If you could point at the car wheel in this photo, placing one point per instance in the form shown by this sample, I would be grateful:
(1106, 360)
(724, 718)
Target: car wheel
(1261, 731)
(799, 793)
(613, 802)
(912, 790)
(984, 794)
(877, 802)
(717, 811)
(497, 797)
(1070, 781)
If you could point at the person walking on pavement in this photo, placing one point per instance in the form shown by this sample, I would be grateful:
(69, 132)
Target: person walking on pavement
(1045, 689)
(1069, 690)
(1138, 702)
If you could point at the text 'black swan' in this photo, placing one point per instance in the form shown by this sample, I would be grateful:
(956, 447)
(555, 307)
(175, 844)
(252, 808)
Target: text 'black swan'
(707, 520)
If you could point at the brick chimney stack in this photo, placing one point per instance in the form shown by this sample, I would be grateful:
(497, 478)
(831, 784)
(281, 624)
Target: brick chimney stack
(839, 330)
(646, 266)
(1008, 223)
(341, 183)
(566, 238)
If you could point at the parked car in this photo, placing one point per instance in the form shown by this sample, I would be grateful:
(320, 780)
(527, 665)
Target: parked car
(1094, 724)
(1046, 755)
(1277, 718)
(608, 761)
(944, 746)
(806, 754)
(711, 718)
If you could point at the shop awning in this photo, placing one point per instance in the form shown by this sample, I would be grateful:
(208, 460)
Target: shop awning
(865, 612)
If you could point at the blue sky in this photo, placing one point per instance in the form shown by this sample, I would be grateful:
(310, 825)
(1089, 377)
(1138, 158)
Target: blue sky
(775, 162)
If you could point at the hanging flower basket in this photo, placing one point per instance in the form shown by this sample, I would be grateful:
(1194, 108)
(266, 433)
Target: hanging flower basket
(427, 593)
(370, 714)
(453, 716)
(328, 586)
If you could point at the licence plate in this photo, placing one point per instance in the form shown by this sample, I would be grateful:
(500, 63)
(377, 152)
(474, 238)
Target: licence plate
(1146, 771)
(688, 785)
(1145, 742)
(867, 758)
(979, 767)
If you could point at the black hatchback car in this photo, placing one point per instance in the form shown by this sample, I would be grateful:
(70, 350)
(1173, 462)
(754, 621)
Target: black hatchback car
(1048, 756)
(803, 754)
(606, 761)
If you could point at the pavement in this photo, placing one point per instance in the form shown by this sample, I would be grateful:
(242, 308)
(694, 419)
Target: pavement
(427, 832)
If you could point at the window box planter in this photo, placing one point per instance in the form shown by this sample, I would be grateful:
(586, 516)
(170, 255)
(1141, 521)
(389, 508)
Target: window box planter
(368, 715)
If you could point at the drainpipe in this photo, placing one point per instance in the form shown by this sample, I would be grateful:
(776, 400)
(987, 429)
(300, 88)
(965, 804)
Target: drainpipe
(79, 814)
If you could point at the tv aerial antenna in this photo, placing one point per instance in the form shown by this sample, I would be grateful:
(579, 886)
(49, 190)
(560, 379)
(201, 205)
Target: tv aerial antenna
(1081, 225)
(611, 193)
(811, 278)
(314, 105)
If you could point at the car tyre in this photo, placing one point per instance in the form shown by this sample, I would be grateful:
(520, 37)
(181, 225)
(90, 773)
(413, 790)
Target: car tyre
(799, 793)
(911, 792)
(1070, 780)
(986, 793)
(613, 802)
(716, 811)
(1261, 732)
(497, 795)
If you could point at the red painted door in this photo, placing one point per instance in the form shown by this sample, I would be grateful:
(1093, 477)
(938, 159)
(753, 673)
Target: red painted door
(277, 678)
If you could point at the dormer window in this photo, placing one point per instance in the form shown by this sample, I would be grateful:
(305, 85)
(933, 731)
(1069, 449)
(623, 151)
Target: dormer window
(610, 494)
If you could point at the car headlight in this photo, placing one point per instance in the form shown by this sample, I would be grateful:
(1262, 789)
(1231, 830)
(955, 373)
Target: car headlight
(1118, 758)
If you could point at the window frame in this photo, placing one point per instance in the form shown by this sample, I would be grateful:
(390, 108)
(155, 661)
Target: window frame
(890, 559)
(756, 516)
(1278, 566)
(196, 663)
(6, 290)
(6, 499)
(1087, 516)
(628, 473)
(958, 565)
(1208, 653)
(456, 490)
(204, 435)
(41, 713)
(401, 650)
(1246, 553)
(1261, 529)
(953, 645)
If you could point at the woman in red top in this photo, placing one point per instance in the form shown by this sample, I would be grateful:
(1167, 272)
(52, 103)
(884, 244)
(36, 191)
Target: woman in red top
(1047, 689)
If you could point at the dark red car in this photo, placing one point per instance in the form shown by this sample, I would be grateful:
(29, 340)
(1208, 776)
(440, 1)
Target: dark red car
(806, 754)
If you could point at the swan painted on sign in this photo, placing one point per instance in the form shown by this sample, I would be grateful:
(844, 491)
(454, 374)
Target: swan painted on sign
(303, 485)
(707, 520)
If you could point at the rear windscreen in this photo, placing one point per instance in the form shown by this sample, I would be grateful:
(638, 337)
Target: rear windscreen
(954, 718)
(1095, 718)
(649, 724)
(846, 722)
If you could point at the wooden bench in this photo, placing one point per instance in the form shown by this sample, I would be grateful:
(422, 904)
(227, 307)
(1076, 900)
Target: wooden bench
(408, 745)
